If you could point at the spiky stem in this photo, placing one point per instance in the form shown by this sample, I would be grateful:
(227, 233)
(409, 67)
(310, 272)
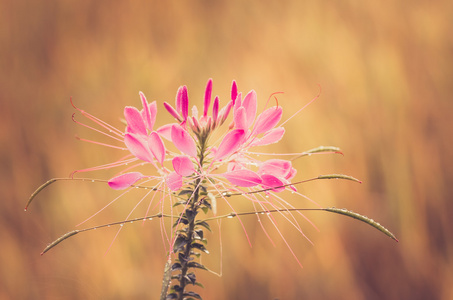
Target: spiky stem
(186, 242)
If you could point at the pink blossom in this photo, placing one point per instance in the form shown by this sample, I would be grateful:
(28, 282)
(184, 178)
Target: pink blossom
(243, 178)
(183, 141)
(183, 165)
(181, 153)
(125, 180)
(199, 152)
(230, 143)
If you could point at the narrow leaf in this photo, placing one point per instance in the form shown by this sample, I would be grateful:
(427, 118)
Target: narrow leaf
(362, 218)
(38, 190)
(59, 240)
(339, 176)
(204, 224)
(192, 294)
(194, 264)
(320, 149)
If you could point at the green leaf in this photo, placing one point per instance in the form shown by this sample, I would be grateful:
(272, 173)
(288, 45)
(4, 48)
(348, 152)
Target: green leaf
(198, 234)
(213, 203)
(185, 192)
(190, 214)
(38, 191)
(192, 294)
(321, 149)
(199, 284)
(194, 264)
(181, 202)
(181, 220)
(172, 296)
(176, 266)
(204, 224)
(59, 240)
(180, 243)
(339, 176)
(200, 247)
(362, 218)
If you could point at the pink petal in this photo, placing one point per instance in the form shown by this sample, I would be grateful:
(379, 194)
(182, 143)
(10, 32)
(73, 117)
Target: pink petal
(183, 141)
(182, 103)
(174, 181)
(173, 112)
(156, 145)
(240, 119)
(124, 181)
(138, 147)
(234, 91)
(291, 174)
(270, 181)
(243, 178)
(230, 143)
(165, 131)
(233, 166)
(146, 116)
(194, 123)
(207, 97)
(237, 104)
(178, 99)
(135, 123)
(152, 112)
(183, 165)
(215, 109)
(224, 112)
(290, 186)
(250, 106)
(267, 120)
(276, 167)
(271, 137)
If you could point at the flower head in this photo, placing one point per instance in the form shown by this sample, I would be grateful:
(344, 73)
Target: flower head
(197, 160)
(201, 150)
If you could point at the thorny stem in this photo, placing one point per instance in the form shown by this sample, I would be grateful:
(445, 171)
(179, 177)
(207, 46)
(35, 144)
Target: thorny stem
(193, 207)
(190, 236)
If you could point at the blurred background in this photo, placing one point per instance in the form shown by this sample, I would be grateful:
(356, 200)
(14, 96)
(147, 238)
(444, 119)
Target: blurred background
(385, 70)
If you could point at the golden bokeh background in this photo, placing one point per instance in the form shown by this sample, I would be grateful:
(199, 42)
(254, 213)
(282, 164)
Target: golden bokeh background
(386, 74)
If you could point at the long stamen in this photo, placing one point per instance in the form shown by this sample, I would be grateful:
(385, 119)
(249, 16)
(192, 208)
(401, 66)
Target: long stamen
(105, 167)
(101, 123)
(97, 130)
(297, 112)
(101, 144)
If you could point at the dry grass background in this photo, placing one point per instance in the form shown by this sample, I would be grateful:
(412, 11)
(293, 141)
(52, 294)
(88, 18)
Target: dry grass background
(386, 73)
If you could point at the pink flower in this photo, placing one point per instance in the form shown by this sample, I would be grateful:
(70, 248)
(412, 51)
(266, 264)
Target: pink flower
(186, 158)
(180, 155)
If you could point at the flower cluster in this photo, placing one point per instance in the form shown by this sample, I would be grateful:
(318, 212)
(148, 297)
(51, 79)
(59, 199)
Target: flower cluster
(197, 157)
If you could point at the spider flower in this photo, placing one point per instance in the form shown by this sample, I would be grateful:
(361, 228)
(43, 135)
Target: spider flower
(202, 148)
(190, 135)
